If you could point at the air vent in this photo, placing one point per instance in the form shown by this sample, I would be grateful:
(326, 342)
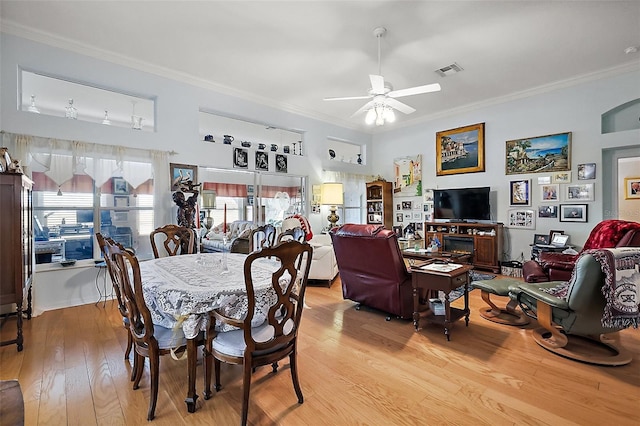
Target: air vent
(449, 70)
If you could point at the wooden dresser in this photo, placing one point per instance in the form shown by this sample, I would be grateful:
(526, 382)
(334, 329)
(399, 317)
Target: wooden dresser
(16, 248)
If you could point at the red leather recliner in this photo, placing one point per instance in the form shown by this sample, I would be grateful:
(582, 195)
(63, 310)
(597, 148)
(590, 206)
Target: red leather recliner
(372, 269)
(559, 266)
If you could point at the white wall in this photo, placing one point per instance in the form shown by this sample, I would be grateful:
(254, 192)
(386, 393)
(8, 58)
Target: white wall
(575, 109)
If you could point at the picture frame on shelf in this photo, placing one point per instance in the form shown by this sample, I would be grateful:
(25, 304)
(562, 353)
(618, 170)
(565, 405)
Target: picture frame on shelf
(541, 239)
(398, 231)
(460, 150)
(548, 211)
(182, 173)
(586, 171)
(549, 192)
(553, 233)
(540, 154)
(579, 192)
(632, 188)
(574, 212)
(522, 218)
(520, 191)
(120, 186)
(120, 201)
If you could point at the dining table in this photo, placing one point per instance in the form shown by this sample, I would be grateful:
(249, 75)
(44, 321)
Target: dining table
(180, 291)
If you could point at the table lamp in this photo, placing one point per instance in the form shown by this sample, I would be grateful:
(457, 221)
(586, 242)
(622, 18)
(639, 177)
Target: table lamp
(331, 194)
(208, 203)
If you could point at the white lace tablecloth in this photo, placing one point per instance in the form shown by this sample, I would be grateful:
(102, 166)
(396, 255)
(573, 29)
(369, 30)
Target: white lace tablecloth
(181, 290)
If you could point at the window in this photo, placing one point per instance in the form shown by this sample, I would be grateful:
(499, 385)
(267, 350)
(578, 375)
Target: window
(69, 215)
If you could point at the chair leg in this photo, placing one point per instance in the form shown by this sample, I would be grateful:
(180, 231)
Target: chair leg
(139, 369)
(507, 315)
(208, 364)
(294, 376)
(556, 339)
(129, 345)
(134, 368)
(154, 368)
(246, 389)
(216, 363)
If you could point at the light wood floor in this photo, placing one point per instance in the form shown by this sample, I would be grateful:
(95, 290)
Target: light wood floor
(355, 368)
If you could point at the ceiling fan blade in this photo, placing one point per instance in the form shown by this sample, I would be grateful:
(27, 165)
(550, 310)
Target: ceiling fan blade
(377, 84)
(347, 98)
(399, 106)
(435, 87)
(364, 107)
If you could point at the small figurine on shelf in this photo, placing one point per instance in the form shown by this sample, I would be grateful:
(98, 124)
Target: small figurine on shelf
(434, 246)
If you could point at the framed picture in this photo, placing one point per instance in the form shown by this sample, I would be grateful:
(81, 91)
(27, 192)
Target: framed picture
(399, 217)
(398, 231)
(182, 173)
(120, 201)
(541, 239)
(240, 158)
(406, 205)
(121, 216)
(522, 218)
(281, 163)
(460, 150)
(586, 171)
(553, 233)
(550, 211)
(632, 188)
(417, 216)
(120, 186)
(544, 180)
(262, 161)
(561, 177)
(541, 154)
(549, 192)
(520, 191)
(573, 212)
(581, 192)
(408, 176)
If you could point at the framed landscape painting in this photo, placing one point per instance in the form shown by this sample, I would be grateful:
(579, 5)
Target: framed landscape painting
(540, 154)
(460, 150)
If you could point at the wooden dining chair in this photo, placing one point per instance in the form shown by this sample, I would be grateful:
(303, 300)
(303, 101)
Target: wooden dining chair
(149, 340)
(173, 239)
(102, 242)
(276, 338)
(263, 236)
(296, 234)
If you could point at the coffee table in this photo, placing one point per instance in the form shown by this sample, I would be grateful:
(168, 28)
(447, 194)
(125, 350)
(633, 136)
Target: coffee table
(426, 284)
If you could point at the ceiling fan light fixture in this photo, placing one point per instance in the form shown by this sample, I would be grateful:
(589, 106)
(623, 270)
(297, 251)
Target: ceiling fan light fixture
(388, 115)
(370, 118)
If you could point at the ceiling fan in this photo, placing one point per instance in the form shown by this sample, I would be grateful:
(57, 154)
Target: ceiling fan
(380, 107)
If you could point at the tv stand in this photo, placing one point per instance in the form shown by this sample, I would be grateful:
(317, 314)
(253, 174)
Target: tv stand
(482, 240)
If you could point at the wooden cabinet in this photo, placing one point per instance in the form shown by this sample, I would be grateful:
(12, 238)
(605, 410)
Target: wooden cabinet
(16, 249)
(380, 204)
(482, 240)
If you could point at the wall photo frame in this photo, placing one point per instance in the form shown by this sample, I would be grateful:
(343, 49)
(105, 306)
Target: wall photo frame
(240, 158)
(408, 176)
(120, 186)
(520, 191)
(549, 192)
(460, 150)
(574, 212)
(579, 192)
(540, 154)
(561, 177)
(586, 171)
(281, 163)
(632, 188)
(181, 173)
(262, 161)
(522, 218)
(548, 211)
(121, 201)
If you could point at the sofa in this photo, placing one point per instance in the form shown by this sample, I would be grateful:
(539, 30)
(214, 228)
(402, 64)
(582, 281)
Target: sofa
(239, 236)
(324, 267)
(372, 269)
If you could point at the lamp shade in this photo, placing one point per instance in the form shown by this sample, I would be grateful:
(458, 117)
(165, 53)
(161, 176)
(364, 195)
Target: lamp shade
(332, 194)
(208, 199)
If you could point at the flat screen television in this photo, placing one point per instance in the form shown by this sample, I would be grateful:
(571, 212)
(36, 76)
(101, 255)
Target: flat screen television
(464, 204)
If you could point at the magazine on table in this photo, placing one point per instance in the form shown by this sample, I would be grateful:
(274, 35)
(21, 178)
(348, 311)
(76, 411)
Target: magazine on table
(441, 267)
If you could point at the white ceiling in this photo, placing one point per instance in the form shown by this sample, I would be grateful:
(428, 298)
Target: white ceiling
(292, 54)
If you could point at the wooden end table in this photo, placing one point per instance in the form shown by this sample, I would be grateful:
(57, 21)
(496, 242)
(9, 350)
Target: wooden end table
(426, 283)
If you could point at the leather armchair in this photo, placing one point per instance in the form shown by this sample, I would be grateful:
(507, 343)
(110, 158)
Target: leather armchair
(372, 270)
(558, 266)
(596, 301)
